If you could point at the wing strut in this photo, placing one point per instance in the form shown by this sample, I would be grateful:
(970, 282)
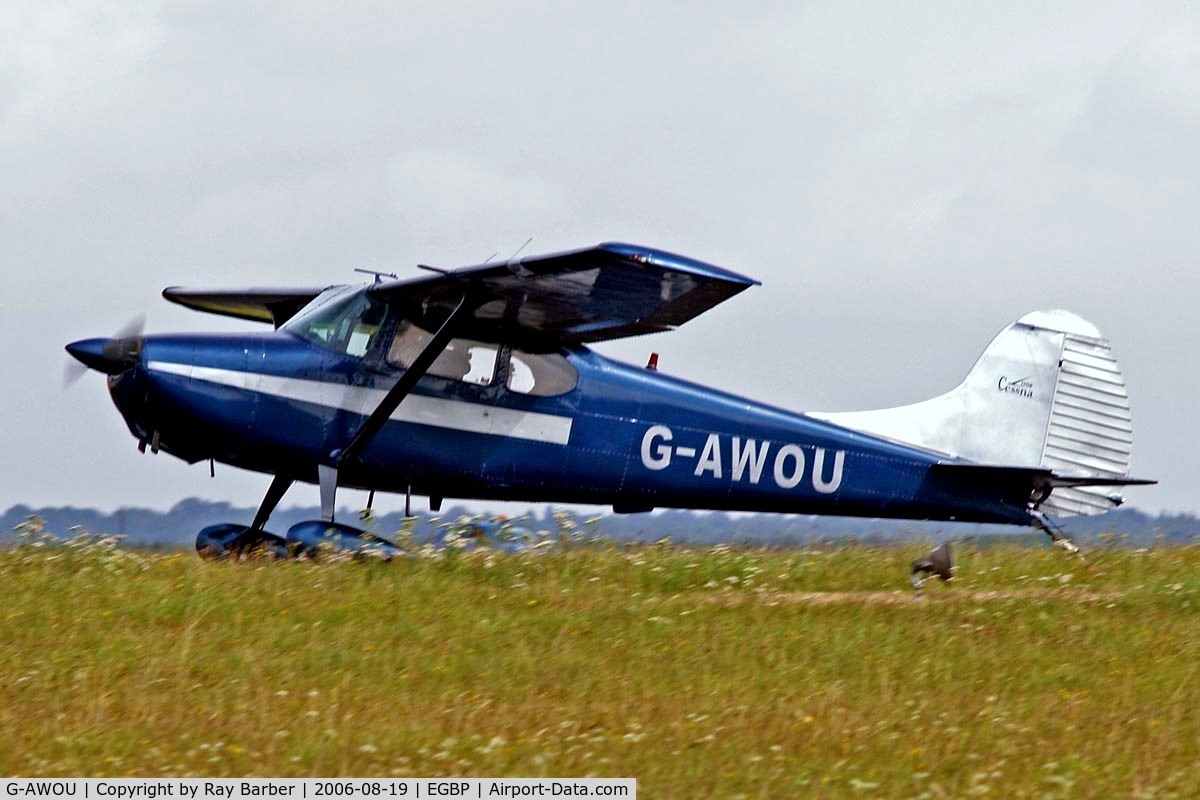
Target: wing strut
(279, 485)
(328, 473)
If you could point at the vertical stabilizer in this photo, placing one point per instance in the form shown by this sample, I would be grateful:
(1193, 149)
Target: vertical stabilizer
(1047, 392)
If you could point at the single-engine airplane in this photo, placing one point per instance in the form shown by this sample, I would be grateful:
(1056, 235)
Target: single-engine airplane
(477, 383)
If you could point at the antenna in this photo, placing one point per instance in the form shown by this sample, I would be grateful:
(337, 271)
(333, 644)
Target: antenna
(519, 249)
(378, 275)
(514, 266)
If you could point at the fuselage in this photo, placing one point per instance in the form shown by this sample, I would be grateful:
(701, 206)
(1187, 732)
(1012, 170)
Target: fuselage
(595, 431)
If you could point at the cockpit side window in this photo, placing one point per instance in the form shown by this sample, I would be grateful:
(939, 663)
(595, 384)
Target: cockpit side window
(463, 360)
(541, 375)
(345, 323)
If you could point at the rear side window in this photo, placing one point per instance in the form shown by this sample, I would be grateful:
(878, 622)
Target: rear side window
(542, 375)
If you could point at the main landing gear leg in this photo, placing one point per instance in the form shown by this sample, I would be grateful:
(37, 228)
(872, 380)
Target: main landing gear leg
(327, 481)
(1043, 523)
(275, 492)
(256, 535)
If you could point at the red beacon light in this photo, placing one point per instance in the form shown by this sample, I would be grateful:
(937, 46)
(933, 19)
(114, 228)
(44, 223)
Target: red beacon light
(652, 364)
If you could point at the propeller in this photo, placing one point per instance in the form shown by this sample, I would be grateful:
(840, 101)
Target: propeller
(111, 356)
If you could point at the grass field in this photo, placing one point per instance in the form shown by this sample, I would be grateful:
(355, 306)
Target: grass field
(702, 673)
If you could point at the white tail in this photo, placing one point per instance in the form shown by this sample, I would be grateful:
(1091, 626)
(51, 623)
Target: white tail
(1046, 392)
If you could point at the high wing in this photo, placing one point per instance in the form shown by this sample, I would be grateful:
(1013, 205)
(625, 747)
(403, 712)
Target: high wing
(609, 291)
(276, 306)
(598, 293)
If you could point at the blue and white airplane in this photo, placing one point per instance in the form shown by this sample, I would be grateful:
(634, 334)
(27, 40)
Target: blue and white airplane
(477, 383)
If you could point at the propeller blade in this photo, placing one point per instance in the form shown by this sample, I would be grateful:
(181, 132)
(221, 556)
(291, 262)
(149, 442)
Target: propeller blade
(133, 329)
(72, 371)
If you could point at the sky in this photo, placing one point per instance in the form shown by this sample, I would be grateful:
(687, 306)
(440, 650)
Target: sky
(904, 178)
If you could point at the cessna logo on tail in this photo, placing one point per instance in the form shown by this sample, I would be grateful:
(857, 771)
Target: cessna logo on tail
(1021, 387)
(747, 460)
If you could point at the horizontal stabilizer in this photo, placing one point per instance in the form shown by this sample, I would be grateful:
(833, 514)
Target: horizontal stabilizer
(1059, 480)
(1031, 485)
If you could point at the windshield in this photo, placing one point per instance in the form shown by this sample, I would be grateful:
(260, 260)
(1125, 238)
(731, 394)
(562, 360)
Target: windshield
(343, 319)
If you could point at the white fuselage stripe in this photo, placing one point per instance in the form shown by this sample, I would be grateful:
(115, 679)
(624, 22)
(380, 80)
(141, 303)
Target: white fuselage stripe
(452, 414)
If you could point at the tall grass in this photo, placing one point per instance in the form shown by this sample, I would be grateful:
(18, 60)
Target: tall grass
(715, 672)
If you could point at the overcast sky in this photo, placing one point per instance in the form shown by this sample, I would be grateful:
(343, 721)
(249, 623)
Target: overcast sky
(905, 182)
